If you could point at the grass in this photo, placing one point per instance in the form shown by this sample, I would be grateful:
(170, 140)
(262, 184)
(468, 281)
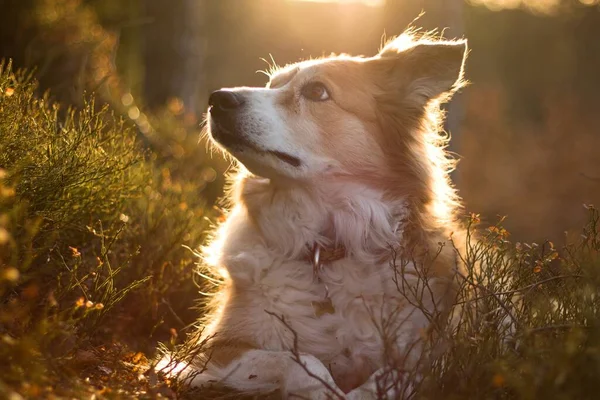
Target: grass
(95, 270)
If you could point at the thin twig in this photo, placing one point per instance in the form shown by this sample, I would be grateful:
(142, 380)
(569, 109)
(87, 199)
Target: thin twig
(522, 289)
(297, 358)
(492, 294)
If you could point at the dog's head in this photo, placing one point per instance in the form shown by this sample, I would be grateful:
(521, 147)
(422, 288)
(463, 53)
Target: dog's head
(337, 116)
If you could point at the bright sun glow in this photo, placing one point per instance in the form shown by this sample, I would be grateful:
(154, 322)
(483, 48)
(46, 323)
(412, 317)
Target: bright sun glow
(372, 3)
(542, 6)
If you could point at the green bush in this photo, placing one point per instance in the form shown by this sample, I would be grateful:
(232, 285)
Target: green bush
(529, 326)
(92, 229)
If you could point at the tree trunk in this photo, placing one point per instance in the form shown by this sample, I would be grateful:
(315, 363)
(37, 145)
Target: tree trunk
(174, 47)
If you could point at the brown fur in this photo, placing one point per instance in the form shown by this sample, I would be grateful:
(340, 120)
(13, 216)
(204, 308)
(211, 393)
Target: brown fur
(397, 95)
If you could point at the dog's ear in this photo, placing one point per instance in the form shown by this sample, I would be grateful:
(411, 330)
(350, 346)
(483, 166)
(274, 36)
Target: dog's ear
(422, 71)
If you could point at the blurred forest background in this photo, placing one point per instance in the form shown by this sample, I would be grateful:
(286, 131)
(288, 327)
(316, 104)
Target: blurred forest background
(527, 129)
(87, 218)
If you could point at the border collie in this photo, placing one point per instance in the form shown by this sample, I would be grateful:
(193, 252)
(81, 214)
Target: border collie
(343, 173)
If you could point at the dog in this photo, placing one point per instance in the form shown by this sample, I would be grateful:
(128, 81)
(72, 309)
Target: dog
(343, 171)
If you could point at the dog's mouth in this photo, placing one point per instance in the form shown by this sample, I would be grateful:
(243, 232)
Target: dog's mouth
(236, 142)
(287, 158)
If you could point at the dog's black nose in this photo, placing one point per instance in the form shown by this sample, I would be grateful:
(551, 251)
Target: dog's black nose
(225, 100)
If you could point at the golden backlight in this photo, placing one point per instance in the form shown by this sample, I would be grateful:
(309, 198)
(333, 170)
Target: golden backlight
(540, 6)
(372, 3)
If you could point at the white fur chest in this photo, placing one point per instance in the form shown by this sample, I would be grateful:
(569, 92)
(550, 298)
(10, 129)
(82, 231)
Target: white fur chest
(270, 281)
(346, 337)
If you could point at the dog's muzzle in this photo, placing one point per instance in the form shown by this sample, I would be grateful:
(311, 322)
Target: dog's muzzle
(226, 107)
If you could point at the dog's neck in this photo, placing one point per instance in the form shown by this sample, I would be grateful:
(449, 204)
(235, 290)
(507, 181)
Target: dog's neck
(347, 214)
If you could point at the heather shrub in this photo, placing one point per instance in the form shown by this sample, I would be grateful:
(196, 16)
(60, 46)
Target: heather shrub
(92, 234)
(528, 321)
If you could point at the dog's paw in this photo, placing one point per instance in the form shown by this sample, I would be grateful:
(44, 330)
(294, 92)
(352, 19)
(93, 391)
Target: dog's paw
(385, 384)
(310, 379)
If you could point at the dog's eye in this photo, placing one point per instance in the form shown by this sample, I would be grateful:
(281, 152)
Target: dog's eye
(315, 91)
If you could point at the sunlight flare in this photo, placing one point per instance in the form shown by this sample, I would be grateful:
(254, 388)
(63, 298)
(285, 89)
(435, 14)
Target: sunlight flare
(370, 3)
